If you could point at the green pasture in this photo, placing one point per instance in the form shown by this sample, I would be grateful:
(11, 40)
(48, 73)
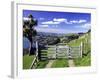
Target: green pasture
(27, 61)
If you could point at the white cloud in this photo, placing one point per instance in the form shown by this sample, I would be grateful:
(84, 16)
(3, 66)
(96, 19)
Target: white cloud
(44, 26)
(69, 22)
(78, 21)
(55, 21)
(50, 22)
(82, 21)
(74, 21)
(60, 19)
(63, 20)
(84, 26)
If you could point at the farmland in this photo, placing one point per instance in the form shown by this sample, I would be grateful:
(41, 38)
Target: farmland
(27, 60)
(63, 62)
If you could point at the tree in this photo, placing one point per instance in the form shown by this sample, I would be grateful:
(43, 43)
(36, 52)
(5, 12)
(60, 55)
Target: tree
(73, 36)
(89, 31)
(29, 31)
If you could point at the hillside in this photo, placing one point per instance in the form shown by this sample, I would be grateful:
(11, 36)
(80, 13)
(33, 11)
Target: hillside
(86, 57)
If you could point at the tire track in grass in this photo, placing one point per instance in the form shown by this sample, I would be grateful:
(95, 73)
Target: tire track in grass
(50, 63)
(71, 63)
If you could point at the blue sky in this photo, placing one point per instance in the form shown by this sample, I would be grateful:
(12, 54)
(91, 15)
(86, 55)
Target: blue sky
(60, 22)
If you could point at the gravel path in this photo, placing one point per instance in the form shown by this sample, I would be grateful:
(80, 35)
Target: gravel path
(50, 64)
(71, 63)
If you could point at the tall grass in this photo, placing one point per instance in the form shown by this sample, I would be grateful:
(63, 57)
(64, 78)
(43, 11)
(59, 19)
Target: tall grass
(27, 61)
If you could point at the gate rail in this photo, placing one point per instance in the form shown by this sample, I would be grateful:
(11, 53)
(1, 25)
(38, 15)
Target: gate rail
(63, 51)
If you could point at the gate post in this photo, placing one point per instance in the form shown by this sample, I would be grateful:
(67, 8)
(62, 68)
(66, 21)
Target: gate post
(81, 49)
(56, 52)
(69, 53)
(37, 50)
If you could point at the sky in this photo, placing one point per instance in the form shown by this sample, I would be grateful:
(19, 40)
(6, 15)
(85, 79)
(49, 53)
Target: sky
(60, 22)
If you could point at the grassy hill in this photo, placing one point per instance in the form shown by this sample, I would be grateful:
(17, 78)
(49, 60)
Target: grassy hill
(86, 57)
(84, 61)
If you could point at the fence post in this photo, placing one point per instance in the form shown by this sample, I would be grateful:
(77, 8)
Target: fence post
(69, 53)
(81, 48)
(56, 51)
(37, 50)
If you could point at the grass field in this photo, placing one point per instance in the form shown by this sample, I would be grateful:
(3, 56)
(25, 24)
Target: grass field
(27, 61)
(86, 59)
(60, 63)
(57, 63)
(42, 64)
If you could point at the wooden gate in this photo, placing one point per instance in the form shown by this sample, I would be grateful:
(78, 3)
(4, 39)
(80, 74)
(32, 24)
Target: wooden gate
(63, 51)
(75, 52)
